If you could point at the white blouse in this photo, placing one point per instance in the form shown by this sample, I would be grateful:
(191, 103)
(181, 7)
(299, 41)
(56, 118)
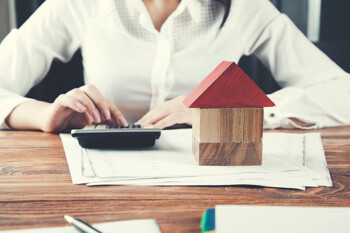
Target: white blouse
(138, 68)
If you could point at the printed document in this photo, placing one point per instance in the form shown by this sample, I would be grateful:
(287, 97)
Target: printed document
(289, 161)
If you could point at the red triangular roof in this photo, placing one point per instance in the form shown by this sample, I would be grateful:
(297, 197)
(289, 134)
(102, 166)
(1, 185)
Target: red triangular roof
(227, 86)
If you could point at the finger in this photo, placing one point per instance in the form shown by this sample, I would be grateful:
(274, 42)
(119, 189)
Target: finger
(155, 115)
(172, 119)
(104, 106)
(165, 109)
(87, 102)
(147, 115)
(110, 122)
(88, 119)
(70, 102)
(80, 122)
(101, 103)
(117, 116)
(67, 101)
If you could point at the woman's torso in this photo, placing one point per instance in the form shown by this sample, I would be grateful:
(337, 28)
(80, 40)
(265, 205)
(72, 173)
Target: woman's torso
(137, 67)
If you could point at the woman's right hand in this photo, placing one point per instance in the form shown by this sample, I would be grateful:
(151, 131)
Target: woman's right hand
(75, 109)
(80, 107)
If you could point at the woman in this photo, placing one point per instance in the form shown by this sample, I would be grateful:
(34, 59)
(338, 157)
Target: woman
(142, 57)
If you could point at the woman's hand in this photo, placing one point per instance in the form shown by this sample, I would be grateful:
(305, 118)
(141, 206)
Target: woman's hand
(168, 114)
(80, 107)
(75, 109)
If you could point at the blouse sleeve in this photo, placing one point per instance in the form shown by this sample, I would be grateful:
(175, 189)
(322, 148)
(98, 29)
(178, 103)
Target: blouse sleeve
(314, 89)
(54, 31)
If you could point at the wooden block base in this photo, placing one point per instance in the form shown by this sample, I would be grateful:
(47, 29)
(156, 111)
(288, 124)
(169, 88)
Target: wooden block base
(227, 154)
(226, 125)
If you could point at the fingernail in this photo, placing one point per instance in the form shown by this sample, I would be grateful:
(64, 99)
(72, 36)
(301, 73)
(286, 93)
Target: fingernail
(96, 116)
(80, 107)
(123, 122)
(106, 114)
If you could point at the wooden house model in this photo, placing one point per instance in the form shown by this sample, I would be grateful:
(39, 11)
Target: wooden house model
(227, 118)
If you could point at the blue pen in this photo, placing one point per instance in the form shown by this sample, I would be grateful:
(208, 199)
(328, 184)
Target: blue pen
(80, 225)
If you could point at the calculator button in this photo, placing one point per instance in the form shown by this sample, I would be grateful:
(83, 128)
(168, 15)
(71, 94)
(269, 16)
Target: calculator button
(101, 127)
(89, 127)
(113, 126)
(148, 126)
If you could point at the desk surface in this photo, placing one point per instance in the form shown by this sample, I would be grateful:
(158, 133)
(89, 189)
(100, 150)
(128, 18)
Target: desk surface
(36, 188)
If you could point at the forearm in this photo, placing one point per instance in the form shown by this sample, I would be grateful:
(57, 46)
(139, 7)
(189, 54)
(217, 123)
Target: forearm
(28, 116)
(322, 105)
(315, 90)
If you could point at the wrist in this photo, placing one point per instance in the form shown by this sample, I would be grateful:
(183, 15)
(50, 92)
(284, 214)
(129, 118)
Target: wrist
(28, 115)
(43, 120)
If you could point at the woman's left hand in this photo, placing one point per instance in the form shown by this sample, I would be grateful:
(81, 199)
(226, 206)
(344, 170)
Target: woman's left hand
(168, 114)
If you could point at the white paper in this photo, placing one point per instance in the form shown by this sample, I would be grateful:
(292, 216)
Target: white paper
(130, 226)
(287, 163)
(315, 160)
(277, 219)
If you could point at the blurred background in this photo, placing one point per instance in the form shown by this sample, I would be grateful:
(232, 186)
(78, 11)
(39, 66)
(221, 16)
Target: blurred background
(325, 22)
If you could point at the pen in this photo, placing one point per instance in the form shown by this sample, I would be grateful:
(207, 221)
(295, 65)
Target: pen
(80, 225)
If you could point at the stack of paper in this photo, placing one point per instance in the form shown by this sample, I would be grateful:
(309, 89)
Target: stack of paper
(289, 161)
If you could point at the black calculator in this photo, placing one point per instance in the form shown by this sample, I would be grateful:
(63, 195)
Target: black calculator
(115, 136)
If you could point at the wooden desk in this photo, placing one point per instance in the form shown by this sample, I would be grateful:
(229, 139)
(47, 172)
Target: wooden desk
(36, 188)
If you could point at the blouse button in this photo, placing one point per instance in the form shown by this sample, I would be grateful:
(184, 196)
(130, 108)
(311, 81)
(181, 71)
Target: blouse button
(272, 115)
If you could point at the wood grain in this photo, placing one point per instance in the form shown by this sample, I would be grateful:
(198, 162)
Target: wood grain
(36, 189)
(209, 126)
(213, 125)
(227, 154)
(253, 124)
(231, 124)
(196, 120)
